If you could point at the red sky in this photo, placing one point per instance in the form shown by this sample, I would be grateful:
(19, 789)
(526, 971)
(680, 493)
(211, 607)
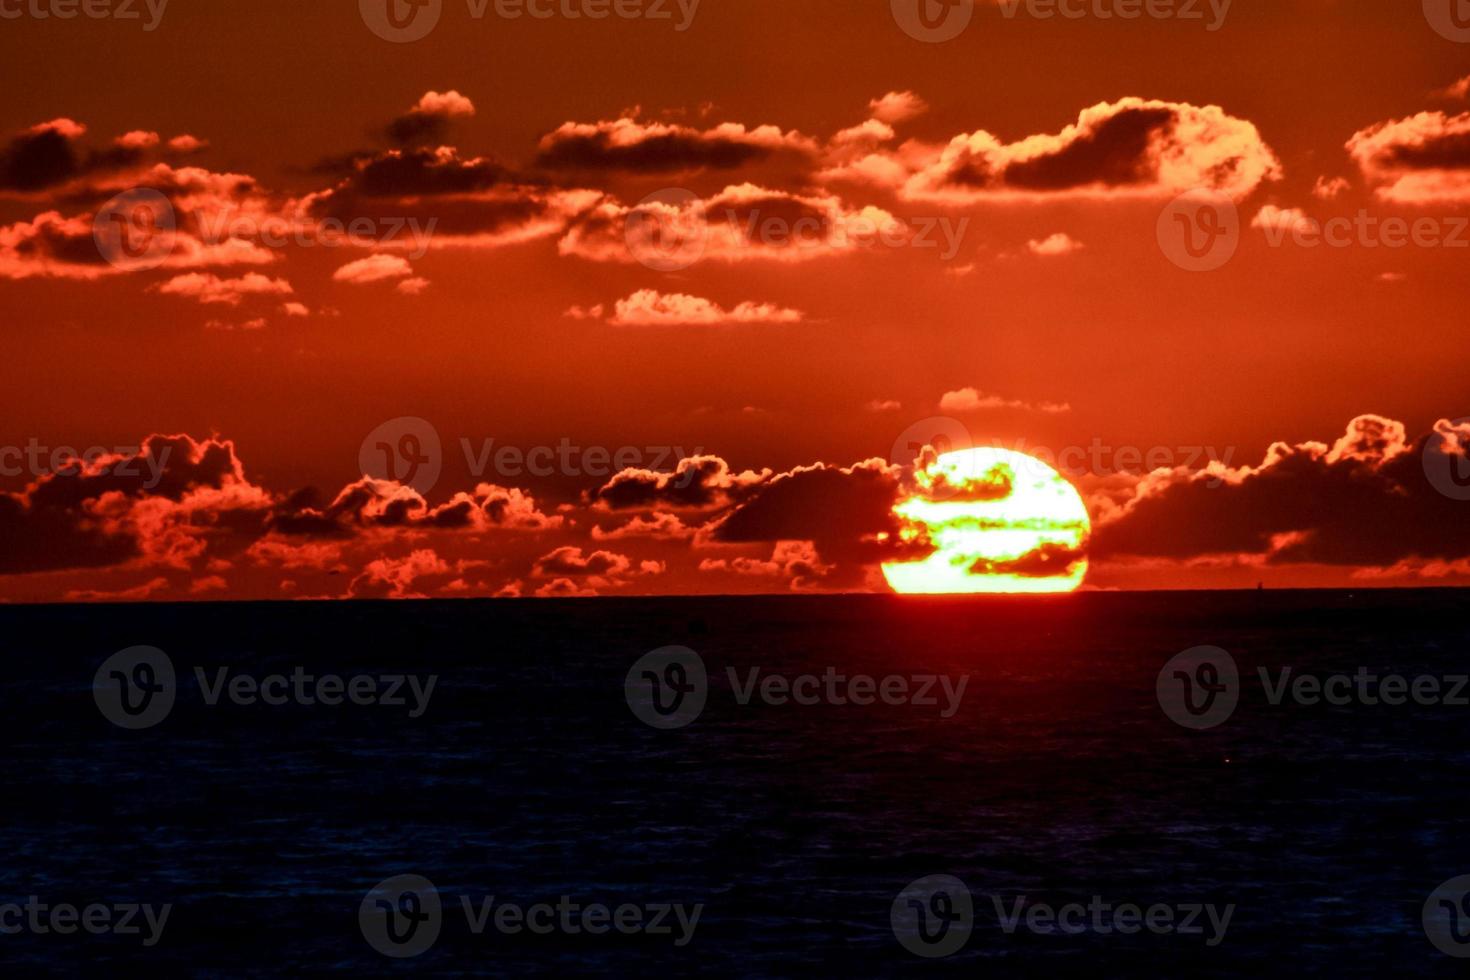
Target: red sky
(985, 234)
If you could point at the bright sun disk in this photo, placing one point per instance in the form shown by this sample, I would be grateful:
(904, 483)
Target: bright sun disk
(999, 521)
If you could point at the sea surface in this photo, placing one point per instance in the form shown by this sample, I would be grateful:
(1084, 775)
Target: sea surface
(529, 776)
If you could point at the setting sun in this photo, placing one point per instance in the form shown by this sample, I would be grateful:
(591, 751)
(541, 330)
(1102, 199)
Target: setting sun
(1000, 521)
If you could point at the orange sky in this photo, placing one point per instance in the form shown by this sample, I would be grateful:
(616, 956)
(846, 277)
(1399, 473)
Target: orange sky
(986, 245)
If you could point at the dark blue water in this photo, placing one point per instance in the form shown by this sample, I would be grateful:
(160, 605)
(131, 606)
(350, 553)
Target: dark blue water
(529, 778)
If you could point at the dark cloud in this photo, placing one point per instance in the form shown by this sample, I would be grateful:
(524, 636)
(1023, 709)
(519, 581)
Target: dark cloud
(417, 128)
(570, 561)
(385, 505)
(1420, 160)
(1132, 146)
(666, 153)
(846, 513)
(697, 483)
(1047, 561)
(47, 241)
(1364, 501)
(412, 172)
(633, 146)
(120, 507)
(1113, 154)
(450, 199)
(48, 156)
(37, 160)
(427, 123)
(817, 503)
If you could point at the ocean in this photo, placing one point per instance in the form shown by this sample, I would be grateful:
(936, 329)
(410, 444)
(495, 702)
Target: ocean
(742, 787)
